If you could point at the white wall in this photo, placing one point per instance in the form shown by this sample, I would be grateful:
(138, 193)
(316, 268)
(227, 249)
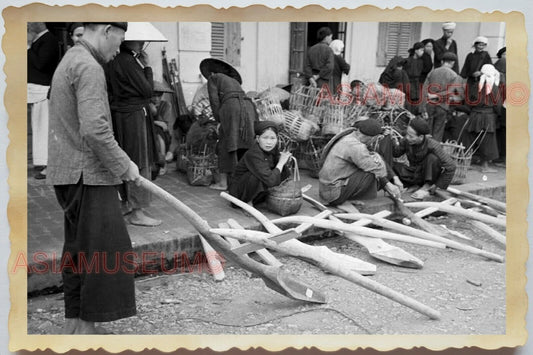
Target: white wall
(361, 49)
(264, 54)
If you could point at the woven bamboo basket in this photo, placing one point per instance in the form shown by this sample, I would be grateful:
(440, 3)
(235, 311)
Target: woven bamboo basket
(297, 127)
(202, 109)
(286, 198)
(269, 109)
(306, 99)
(333, 121)
(286, 142)
(311, 153)
(462, 160)
(201, 169)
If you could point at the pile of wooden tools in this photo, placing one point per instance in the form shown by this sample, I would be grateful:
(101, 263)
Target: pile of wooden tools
(235, 243)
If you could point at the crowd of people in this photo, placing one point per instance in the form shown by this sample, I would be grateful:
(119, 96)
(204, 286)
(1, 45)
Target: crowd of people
(99, 122)
(448, 99)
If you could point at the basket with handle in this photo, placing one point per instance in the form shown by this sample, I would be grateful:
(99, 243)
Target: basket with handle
(201, 167)
(297, 127)
(286, 198)
(462, 160)
(269, 109)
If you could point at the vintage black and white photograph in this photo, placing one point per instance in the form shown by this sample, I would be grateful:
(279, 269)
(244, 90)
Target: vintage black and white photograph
(275, 180)
(266, 178)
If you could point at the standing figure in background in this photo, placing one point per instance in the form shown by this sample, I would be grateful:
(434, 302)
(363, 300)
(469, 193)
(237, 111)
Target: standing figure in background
(445, 44)
(131, 89)
(394, 77)
(319, 62)
(427, 59)
(75, 32)
(501, 65)
(443, 87)
(340, 66)
(234, 111)
(413, 67)
(486, 107)
(472, 68)
(43, 57)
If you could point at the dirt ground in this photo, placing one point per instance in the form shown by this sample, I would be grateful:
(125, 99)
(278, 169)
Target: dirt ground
(468, 291)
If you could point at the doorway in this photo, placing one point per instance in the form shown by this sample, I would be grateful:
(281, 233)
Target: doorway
(303, 36)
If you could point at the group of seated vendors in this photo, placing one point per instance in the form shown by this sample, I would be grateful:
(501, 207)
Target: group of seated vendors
(356, 163)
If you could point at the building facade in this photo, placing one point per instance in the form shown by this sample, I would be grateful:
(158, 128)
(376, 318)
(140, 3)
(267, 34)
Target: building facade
(271, 53)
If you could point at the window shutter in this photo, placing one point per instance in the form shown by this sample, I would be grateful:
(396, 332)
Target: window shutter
(217, 40)
(395, 38)
(297, 47)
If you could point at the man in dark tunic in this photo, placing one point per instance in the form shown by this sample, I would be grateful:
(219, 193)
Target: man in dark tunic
(472, 68)
(320, 60)
(429, 166)
(445, 44)
(43, 57)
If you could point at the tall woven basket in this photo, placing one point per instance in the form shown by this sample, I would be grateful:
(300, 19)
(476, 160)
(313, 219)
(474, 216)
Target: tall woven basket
(306, 99)
(286, 198)
(462, 160)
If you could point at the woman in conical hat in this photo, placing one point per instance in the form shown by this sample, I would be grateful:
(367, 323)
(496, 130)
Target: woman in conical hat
(235, 113)
(130, 87)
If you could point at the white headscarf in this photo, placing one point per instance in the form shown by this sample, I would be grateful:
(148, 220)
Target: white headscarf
(449, 25)
(337, 46)
(490, 76)
(481, 39)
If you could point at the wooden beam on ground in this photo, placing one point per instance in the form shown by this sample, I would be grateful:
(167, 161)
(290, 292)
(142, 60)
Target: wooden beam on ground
(334, 263)
(264, 254)
(460, 211)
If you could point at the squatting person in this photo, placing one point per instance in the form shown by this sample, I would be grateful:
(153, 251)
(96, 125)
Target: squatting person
(349, 170)
(429, 165)
(262, 166)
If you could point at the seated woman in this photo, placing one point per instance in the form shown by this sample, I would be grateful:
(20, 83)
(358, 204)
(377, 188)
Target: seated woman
(261, 167)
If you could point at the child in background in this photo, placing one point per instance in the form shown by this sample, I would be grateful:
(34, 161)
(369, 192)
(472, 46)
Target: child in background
(163, 117)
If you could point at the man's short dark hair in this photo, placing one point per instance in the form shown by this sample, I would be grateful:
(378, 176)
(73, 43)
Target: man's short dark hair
(355, 83)
(323, 32)
(92, 25)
